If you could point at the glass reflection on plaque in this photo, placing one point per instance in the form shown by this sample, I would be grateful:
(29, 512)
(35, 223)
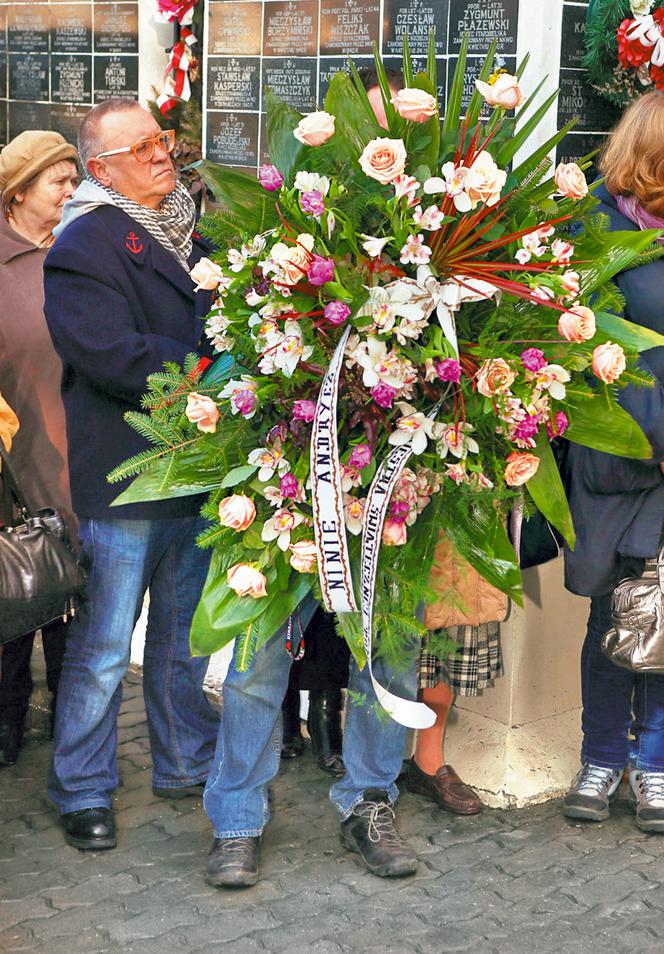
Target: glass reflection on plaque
(24, 116)
(71, 78)
(234, 26)
(292, 79)
(483, 21)
(28, 27)
(28, 76)
(116, 27)
(67, 119)
(232, 138)
(71, 28)
(115, 76)
(290, 28)
(415, 19)
(348, 27)
(233, 82)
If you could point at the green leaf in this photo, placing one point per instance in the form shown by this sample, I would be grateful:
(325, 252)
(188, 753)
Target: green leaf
(286, 152)
(241, 194)
(632, 337)
(477, 100)
(221, 370)
(180, 473)
(512, 146)
(602, 424)
(609, 254)
(546, 489)
(455, 95)
(238, 475)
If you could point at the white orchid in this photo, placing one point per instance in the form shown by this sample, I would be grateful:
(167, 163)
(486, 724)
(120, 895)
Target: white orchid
(310, 182)
(354, 514)
(415, 252)
(455, 439)
(238, 259)
(452, 184)
(532, 245)
(379, 365)
(413, 428)
(240, 392)
(431, 219)
(279, 526)
(374, 246)
(291, 350)
(553, 378)
(269, 461)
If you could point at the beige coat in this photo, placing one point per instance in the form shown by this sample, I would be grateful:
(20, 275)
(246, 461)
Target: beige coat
(466, 599)
(30, 374)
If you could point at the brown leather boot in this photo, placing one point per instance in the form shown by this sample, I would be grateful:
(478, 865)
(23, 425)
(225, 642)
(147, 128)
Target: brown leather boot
(445, 788)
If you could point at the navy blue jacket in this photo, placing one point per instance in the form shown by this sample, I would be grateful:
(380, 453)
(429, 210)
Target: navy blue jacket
(618, 504)
(118, 305)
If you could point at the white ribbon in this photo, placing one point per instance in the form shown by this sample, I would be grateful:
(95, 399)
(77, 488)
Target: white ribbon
(646, 30)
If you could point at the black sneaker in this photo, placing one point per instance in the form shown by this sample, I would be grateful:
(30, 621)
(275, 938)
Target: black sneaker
(233, 862)
(371, 833)
(588, 797)
(648, 788)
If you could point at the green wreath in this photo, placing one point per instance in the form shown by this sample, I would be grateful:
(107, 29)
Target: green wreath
(607, 76)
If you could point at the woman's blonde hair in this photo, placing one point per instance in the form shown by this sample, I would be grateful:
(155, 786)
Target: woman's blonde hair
(633, 158)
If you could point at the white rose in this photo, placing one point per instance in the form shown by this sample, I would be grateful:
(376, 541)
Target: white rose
(206, 275)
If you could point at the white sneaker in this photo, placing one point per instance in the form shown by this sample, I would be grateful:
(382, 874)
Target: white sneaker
(648, 788)
(588, 797)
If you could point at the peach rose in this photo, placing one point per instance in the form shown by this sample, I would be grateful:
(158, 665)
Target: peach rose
(237, 512)
(303, 556)
(206, 275)
(293, 260)
(608, 362)
(504, 92)
(394, 533)
(570, 181)
(494, 377)
(577, 324)
(484, 182)
(415, 105)
(202, 411)
(315, 128)
(384, 159)
(246, 580)
(520, 468)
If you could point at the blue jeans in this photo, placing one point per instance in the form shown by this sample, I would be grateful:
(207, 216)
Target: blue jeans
(617, 701)
(249, 743)
(125, 558)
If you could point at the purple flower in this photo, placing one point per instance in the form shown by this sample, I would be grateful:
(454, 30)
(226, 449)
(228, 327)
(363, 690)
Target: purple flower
(270, 178)
(288, 486)
(383, 394)
(533, 359)
(245, 401)
(336, 312)
(312, 202)
(304, 411)
(277, 434)
(560, 425)
(526, 430)
(399, 511)
(321, 270)
(448, 370)
(360, 456)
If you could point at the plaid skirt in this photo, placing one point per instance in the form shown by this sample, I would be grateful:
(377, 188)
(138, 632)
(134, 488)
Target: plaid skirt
(474, 667)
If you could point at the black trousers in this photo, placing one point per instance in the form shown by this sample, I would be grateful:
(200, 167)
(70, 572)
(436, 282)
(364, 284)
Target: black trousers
(15, 676)
(324, 665)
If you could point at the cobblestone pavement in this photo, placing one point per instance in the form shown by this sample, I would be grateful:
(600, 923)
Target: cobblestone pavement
(501, 883)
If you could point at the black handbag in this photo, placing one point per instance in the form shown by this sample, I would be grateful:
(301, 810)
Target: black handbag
(41, 579)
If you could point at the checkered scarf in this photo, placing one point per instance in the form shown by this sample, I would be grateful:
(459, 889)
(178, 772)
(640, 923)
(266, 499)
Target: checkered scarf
(171, 224)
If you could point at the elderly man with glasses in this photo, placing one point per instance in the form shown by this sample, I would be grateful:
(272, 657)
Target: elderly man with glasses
(119, 303)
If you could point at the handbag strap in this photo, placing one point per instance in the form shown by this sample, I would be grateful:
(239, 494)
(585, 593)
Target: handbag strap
(11, 491)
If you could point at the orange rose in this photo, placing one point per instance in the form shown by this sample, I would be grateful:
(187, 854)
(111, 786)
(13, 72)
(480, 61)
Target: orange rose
(303, 556)
(520, 468)
(246, 580)
(577, 324)
(415, 105)
(494, 377)
(315, 129)
(504, 92)
(237, 512)
(570, 181)
(384, 159)
(202, 411)
(608, 362)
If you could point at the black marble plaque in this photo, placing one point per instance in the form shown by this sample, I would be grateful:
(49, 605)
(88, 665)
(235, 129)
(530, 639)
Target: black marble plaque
(577, 100)
(3, 124)
(473, 68)
(484, 21)
(3, 75)
(348, 27)
(232, 138)
(416, 19)
(28, 28)
(115, 76)
(577, 145)
(573, 37)
(71, 28)
(116, 27)
(24, 116)
(235, 27)
(67, 119)
(71, 78)
(3, 30)
(331, 65)
(233, 82)
(290, 28)
(293, 79)
(28, 76)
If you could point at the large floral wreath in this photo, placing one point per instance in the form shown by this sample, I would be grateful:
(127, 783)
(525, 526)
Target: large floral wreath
(625, 48)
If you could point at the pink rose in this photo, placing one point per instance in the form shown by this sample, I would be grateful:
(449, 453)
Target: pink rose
(504, 92)
(315, 128)
(494, 377)
(520, 468)
(237, 512)
(415, 105)
(577, 324)
(395, 533)
(206, 275)
(608, 362)
(202, 411)
(570, 181)
(246, 580)
(384, 159)
(303, 556)
(484, 182)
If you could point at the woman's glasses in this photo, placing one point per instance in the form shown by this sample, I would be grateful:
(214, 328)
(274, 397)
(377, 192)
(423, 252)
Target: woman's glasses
(143, 150)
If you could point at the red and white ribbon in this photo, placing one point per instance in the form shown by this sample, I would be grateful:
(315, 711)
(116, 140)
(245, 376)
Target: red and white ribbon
(176, 77)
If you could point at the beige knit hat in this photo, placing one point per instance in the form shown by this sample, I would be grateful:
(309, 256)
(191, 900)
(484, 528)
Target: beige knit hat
(28, 154)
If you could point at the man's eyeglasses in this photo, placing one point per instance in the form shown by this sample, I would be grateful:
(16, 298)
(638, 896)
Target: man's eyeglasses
(143, 150)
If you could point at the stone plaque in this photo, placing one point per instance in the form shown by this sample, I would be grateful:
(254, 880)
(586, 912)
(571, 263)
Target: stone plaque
(290, 28)
(292, 79)
(331, 65)
(232, 138)
(577, 100)
(233, 83)
(28, 28)
(3, 125)
(71, 78)
(116, 27)
(483, 21)
(24, 116)
(577, 145)
(416, 19)
(71, 28)
(348, 27)
(573, 38)
(67, 119)
(3, 75)
(28, 76)
(235, 27)
(115, 76)
(3, 30)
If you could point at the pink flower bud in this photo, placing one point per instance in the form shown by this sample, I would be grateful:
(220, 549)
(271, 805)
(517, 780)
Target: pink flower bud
(202, 411)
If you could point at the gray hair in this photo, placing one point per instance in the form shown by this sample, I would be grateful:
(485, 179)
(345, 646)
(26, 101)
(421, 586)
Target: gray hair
(90, 142)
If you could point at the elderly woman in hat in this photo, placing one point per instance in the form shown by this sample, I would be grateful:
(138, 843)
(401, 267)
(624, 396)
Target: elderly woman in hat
(38, 174)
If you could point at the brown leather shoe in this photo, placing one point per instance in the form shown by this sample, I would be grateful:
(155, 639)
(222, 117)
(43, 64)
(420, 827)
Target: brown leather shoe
(445, 788)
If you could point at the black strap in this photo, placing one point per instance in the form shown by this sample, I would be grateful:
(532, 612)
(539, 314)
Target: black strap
(11, 492)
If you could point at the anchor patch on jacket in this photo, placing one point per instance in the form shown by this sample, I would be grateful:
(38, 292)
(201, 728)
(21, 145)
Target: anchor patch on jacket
(133, 243)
